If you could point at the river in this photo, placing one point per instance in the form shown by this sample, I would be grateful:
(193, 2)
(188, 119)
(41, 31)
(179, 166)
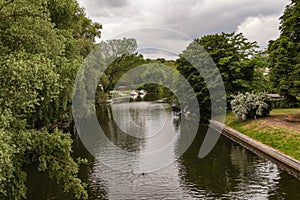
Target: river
(229, 171)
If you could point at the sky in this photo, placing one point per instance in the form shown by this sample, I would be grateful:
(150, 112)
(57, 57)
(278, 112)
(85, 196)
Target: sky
(163, 28)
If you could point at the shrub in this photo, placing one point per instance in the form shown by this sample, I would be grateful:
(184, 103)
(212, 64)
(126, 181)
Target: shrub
(250, 105)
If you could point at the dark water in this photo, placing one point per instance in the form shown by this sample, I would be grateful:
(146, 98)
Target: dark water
(228, 172)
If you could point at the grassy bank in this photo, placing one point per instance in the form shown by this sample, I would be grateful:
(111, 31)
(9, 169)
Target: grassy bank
(272, 131)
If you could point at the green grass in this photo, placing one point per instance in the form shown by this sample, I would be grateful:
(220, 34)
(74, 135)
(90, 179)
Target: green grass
(282, 139)
(286, 111)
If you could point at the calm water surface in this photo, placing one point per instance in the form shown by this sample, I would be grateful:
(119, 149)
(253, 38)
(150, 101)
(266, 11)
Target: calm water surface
(228, 172)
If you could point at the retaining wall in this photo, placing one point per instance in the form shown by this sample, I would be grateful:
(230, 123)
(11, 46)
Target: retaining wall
(286, 162)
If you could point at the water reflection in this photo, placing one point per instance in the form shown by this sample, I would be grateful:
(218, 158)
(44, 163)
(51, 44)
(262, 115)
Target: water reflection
(228, 172)
(233, 172)
(213, 175)
(114, 132)
(144, 131)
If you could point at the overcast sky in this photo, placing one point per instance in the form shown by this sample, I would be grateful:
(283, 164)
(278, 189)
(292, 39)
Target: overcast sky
(173, 19)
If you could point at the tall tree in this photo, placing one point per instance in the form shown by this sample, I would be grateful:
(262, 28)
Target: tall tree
(42, 44)
(284, 55)
(231, 54)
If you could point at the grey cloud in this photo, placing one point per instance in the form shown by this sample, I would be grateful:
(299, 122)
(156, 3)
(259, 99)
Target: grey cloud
(115, 3)
(262, 24)
(106, 3)
(158, 42)
(105, 8)
(154, 53)
(194, 17)
(205, 18)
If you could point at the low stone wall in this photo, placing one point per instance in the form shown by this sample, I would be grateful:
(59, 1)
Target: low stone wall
(286, 162)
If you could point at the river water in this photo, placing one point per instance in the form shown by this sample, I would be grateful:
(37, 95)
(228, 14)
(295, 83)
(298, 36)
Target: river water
(229, 171)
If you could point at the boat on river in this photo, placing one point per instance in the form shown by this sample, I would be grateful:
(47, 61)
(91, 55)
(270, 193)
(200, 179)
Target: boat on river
(142, 92)
(134, 93)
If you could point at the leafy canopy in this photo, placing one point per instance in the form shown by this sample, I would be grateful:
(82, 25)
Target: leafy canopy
(284, 55)
(231, 54)
(42, 45)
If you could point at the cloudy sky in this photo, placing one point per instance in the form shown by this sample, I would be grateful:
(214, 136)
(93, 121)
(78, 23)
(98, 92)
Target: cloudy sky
(173, 23)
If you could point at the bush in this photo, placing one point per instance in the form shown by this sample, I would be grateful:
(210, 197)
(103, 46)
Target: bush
(250, 105)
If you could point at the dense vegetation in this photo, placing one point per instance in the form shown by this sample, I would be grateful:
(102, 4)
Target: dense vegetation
(243, 68)
(230, 53)
(284, 56)
(42, 44)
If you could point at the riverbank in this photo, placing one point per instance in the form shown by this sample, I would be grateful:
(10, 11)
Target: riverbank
(280, 131)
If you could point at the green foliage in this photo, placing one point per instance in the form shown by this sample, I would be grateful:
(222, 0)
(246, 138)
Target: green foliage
(25, 26)
(42, 44)
(250, 105)
(197, 83)
(54, 156)
(260, 82)
(290, 21)
(28, 86)
(50, 152)
(231, 55)
(120, 56)
(41, 51)
(284, 56)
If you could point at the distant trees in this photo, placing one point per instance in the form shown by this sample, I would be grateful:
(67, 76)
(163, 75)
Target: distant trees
(260, 82)
(121, 56)
(284, 55)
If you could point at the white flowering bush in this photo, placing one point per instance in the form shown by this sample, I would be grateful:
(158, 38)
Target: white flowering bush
(250, 105)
